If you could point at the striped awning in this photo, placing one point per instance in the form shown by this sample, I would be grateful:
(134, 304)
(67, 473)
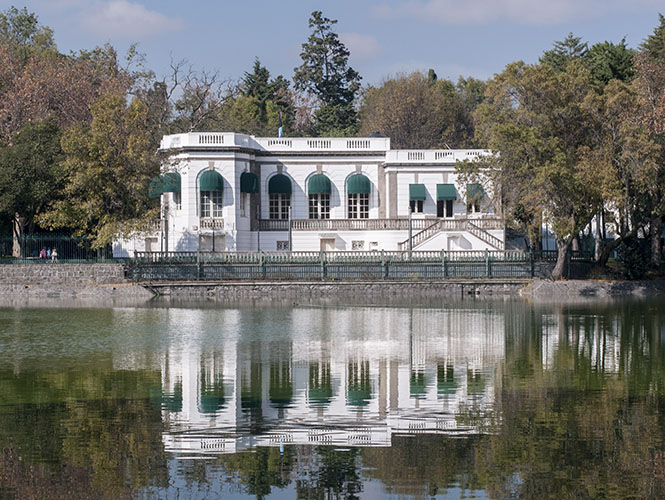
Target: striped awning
(417, 192)
(249, 183)
(279, 184)
(211, 181)
(319, 184)
(445, 192)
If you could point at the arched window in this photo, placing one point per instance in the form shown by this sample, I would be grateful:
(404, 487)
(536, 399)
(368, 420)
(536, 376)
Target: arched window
(211, 184)
(319, 189)
(279, 197)
(358, 189)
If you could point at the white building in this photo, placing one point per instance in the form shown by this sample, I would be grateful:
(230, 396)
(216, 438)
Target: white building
(234, 192)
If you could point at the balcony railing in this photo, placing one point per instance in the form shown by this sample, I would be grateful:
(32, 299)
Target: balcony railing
(401, 156)
(216, 140)
(377, 224)
(211, 223)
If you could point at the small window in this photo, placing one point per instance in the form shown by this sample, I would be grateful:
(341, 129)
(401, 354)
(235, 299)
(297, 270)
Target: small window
(473, 207)
(358, 206)
(319, 206)
(211, 203)
(283, 245)
(417, 206)
(278, 206)
(357, 245)
(243, 204)
(444, 208)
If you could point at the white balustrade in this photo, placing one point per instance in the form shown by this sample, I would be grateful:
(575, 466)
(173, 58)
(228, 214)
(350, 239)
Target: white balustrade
(404, 156)
(211, 223)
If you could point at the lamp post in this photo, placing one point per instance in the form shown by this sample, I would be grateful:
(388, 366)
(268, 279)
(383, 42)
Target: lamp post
(410, 245)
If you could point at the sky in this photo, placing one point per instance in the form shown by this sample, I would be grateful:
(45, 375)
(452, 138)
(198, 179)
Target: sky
(385, 37)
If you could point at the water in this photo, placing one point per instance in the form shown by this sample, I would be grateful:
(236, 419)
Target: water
(467, 399)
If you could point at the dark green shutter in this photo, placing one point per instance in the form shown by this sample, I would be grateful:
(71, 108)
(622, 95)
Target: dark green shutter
(417, 192)
(211, 181)
(249, 183)
(358, 184)
(279, 184)
(445, 192)
(319, 184)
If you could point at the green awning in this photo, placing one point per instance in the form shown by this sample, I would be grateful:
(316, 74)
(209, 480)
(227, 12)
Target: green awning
(474, 192)
(156, 187)
(211, 181)
(445, 192)
(279, 184)
(249, 183)
(358, 184)
(417, 192)
(319, 184)
(171, 181)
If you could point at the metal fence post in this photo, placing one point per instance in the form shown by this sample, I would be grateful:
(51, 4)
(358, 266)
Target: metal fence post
(443, 262)
(323, 266)
(531, 262)
(384, 266)
(198, 264)
(487, 263)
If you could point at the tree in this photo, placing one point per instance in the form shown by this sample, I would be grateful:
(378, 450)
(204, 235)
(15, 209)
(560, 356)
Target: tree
(31, 177)
(21, 34)
(325, 73)
(410, 109)
(608, 61)
(108, 165)
(533, 117)
(418, 111)
(569, 49)
(654, 45)
(273, 98)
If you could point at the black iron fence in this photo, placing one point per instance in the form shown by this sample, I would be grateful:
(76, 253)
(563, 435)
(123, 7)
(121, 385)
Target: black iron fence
(28, 249)
(379, 265)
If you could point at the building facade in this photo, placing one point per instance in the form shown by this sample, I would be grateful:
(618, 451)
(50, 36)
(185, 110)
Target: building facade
(234, 192)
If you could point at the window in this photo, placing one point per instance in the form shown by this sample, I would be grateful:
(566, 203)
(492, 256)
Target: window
(417, 206)
(243, 204)
(177, 200)
(278, 206)
(357, 245)
(358, 206)
(282, 245)
(444, 208)
(319, 206)
(473, 207)
(211, 203)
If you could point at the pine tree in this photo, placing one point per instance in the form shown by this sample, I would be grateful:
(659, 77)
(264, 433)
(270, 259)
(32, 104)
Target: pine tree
(325, 73)
(565, 51)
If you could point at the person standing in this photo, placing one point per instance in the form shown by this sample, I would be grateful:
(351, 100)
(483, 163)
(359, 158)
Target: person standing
(54, 254)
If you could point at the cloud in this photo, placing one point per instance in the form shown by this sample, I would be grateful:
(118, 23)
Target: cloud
(124, 19)
(361, 46)
(474, 12)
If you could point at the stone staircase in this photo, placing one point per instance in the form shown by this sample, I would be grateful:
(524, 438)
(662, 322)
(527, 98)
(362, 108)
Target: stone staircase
(451, 225)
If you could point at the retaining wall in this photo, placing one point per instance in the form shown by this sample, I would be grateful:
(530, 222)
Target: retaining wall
(355, 290)
(57, 274)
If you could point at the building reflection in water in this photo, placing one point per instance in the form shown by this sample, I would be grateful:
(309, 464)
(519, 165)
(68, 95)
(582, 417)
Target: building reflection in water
(343, 376)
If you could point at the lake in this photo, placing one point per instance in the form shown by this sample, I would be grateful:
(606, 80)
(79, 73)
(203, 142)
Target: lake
(485, 399)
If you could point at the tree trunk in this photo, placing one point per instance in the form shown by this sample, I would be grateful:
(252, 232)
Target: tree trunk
(598, 240)
(562, 256)
(656, 228)
(18, 228)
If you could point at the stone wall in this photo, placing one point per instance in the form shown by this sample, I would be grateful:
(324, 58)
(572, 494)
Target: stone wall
(354, 290)
(65, 274)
